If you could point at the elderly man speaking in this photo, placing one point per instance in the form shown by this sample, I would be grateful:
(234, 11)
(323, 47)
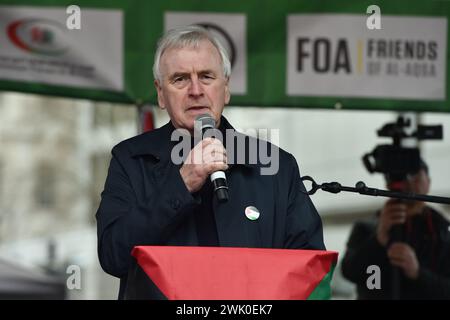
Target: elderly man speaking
(151, 199)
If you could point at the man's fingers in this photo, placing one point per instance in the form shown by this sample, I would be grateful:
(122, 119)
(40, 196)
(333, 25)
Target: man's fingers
(209, 153)
(215, 157)
(207, 157)
(397, 206)
(395, 255)
(396, 217)
(398, 259)
(399, 220)
(211, 141)
(214, 151)
(394, 212)
(216, 166)
(398, 263)
(392, 209)
(397, 250)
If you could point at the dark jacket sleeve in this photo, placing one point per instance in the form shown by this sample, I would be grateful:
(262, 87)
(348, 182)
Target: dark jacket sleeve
(123, 221)
(433, 285)
(303, 223)
(362, 251)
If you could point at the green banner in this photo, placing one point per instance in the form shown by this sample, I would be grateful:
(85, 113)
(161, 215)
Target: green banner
(305, 54)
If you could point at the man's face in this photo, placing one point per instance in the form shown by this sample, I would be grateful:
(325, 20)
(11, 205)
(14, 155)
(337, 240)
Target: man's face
(418, 183)
(192, 83)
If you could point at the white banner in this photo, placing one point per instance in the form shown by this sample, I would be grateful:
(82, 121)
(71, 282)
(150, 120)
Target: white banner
(231, 31)
(36, 45)
(337, 55)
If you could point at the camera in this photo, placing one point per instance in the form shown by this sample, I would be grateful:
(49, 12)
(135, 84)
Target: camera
(396, 160)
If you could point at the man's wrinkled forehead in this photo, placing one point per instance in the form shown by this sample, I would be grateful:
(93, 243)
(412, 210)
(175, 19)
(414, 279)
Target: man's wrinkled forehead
(212, 63)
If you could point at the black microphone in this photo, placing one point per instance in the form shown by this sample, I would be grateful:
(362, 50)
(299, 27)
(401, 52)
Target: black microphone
(218, 178)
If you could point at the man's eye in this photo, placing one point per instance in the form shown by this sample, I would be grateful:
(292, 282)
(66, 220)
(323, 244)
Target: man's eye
(207, 77)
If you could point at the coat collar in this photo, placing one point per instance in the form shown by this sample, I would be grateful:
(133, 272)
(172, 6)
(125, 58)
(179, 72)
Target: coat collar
(154, 143)
(157, 143)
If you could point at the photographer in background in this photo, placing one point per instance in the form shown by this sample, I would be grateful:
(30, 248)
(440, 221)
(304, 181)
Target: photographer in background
(420, 253)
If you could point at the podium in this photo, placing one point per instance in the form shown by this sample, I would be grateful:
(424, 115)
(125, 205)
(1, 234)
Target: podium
(225, 273)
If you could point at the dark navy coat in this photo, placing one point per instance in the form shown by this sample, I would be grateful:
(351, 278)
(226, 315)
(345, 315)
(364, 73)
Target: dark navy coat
(145, 202)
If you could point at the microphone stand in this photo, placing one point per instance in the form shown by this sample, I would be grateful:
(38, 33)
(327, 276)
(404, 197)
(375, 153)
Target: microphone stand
(360, 187)
(396, 231)
(396, 234)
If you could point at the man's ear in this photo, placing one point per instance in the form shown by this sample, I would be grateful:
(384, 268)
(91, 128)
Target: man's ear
(161, 101)
(227, 91)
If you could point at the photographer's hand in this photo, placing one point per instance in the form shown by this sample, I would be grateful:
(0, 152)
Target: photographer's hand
(403, 256)
(393, 212)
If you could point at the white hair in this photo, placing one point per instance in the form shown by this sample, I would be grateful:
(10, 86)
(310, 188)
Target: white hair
(189, 36)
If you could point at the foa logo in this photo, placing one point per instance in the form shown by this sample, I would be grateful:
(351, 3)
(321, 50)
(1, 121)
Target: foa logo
(39, 36)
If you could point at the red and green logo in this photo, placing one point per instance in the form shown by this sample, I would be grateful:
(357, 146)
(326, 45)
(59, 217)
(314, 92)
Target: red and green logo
(38, 36)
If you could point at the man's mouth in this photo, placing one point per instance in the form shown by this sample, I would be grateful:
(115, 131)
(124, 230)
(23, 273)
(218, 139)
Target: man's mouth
(197, 108)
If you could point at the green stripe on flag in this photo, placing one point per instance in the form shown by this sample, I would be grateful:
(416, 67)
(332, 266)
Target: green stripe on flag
(323, 290)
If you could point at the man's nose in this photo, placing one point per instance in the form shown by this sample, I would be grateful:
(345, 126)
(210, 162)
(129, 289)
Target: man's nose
(195, 88)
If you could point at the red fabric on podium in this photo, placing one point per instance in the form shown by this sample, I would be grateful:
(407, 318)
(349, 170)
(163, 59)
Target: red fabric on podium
(223, 273)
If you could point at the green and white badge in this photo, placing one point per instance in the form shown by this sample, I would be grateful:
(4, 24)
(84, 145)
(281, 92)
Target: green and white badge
(252, 213)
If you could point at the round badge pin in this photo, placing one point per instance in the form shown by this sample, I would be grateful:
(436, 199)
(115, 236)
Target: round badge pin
(252, 213)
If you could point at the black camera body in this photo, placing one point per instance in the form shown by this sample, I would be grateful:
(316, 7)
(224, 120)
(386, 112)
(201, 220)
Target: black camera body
(394, 160)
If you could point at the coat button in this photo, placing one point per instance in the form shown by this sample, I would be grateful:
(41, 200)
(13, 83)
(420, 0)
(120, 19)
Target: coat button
(175, 204)
(158, 172)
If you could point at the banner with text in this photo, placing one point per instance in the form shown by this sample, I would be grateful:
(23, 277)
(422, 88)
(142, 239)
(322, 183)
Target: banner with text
(406, 59)
(36, 46)
(284, 53)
